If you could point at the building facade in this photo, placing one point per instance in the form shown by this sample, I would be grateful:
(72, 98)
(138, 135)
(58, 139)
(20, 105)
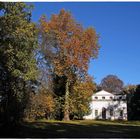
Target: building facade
(108, 106)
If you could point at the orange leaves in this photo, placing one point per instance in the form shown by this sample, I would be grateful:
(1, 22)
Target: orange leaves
(86, 86)
(75, 44)
(40, 105)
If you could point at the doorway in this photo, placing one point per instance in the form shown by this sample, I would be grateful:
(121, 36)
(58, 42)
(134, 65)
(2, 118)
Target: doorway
(103, 113)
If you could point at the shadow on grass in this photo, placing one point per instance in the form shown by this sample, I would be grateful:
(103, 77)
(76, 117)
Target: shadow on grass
(72, 130)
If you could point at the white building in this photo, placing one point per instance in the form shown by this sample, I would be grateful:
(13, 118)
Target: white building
(106, 105)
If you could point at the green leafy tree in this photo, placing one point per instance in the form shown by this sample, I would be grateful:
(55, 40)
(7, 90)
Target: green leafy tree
(18, 41)
(80, 98)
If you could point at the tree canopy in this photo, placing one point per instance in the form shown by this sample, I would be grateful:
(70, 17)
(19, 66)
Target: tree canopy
(112, 83)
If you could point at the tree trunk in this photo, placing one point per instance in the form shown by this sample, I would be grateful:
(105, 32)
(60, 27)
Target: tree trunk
(66, 106)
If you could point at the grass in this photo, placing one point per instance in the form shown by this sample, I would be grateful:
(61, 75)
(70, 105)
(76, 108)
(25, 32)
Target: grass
(78, 129)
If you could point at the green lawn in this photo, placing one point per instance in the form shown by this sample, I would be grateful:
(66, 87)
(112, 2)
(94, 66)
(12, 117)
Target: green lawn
(79, 129)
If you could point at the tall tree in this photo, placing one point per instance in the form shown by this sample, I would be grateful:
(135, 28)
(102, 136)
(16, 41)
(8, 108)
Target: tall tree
(68, 48)
(112, 83)
(18, 40)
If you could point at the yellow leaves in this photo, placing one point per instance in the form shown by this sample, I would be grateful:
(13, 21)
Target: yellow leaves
(41, 104)
(44, 25)
(81, 96)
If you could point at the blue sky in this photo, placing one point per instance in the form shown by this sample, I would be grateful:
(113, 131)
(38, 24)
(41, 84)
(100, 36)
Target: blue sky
(118, 24)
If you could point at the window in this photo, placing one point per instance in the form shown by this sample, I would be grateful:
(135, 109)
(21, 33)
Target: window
(123, 98)
(96, 113)
(111, 112)
(111, 98)
(96, 97)
(121, 113)
(103, 97)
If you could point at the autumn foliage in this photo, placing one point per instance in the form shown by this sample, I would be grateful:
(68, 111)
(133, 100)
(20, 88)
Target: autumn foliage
(112, 83)
(80, 98)
(70, 45)
(41, 105)
(67, 48)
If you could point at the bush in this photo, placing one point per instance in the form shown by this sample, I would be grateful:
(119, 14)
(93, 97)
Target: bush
(41, 105)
